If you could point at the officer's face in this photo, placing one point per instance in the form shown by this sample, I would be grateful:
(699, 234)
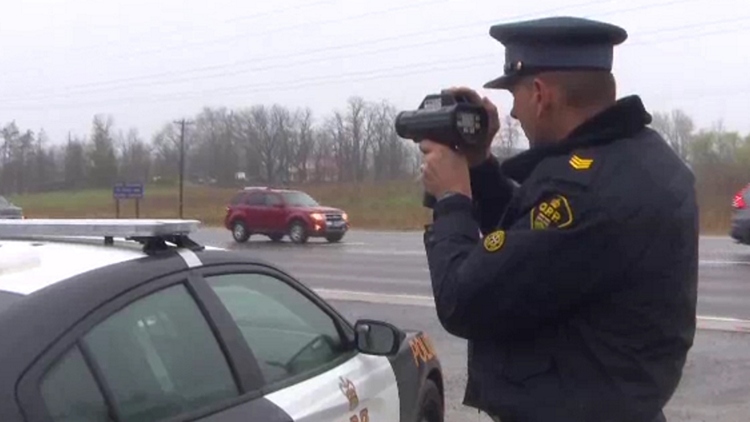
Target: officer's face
(532, 105)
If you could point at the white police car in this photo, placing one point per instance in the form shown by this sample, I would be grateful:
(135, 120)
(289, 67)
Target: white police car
(158, 328)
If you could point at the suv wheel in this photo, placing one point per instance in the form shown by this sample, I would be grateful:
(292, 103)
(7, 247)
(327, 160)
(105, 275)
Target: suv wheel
(298, 232)
(239, 232)
(333, 238)
(430, 404)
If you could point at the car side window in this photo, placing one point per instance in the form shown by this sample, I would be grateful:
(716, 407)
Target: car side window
(239, 199)
(273, 199)
(70, 392)
(159, 358)
(256, 199)
(288, 333)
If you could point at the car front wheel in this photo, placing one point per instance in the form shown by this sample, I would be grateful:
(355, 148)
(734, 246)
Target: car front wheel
(298, 232)
(431, 404)
(239, 232)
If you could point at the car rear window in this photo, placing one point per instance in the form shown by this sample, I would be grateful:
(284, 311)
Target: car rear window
(236, 199)
(7, 299)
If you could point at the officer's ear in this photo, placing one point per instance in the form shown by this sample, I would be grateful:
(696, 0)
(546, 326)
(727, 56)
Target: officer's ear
(543, 95)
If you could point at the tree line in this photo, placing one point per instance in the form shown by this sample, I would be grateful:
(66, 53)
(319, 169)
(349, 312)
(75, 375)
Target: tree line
(272, 144)
(223, 147)
(719, 158)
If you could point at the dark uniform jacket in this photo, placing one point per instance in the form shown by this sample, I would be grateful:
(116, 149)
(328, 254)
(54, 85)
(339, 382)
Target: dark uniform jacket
(579, 300)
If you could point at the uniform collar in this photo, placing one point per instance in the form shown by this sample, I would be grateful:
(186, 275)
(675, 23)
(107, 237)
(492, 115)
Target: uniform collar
(622, 120)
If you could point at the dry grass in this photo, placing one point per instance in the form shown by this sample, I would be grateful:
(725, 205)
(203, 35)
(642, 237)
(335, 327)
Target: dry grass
(715, 217)
(392, 206)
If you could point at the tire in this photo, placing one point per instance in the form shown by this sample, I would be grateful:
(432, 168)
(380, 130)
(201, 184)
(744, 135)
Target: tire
(276, 237)
(430, 404)
(298, 232)
(239, 232)
(333, 238)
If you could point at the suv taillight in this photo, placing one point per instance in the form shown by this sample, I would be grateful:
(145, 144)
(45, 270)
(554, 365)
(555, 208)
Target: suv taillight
(739, 201)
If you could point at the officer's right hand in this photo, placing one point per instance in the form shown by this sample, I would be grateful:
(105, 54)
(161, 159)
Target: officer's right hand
(476, 156)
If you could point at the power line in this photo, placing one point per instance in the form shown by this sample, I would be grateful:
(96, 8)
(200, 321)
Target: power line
(359, 44)
(367, 74)
(231, 20)
(43, 94)
(245, 36)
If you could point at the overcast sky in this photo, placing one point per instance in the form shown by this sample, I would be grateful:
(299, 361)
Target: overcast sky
(148, 62)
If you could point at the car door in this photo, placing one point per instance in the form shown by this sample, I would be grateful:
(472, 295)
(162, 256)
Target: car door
(276, 213)
(304, 350)
(148, 356)
(256, 212)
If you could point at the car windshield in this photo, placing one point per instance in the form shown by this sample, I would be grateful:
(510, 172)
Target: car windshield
(4, 202)
(299, 199)
(7, 299)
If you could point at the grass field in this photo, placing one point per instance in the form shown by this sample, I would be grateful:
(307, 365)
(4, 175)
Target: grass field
(391, 206)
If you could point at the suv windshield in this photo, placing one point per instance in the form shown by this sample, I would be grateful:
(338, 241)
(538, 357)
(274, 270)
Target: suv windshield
(4, 202)
(299, 199)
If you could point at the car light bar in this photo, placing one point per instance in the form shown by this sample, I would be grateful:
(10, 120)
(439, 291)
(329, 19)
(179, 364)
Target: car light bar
(121, 228)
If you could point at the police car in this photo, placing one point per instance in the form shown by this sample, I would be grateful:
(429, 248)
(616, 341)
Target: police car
(131, 320)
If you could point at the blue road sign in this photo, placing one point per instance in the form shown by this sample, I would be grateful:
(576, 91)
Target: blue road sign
(128, 191)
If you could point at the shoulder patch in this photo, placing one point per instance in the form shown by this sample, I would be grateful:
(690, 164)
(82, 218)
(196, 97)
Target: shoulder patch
(552, 212)
(580, 163)
(494, 241)
(581, 167)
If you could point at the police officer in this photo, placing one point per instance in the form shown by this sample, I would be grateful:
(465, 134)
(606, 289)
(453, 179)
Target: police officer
(578, 299)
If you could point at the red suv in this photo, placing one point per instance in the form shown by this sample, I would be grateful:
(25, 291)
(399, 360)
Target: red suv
(279, 212)
(741, 216)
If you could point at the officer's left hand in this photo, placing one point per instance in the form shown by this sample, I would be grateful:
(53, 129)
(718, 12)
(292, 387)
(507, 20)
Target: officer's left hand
(444, 170)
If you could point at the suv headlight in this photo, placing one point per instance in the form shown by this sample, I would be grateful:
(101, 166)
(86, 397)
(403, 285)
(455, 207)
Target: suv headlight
(317, 217)
(345, 217)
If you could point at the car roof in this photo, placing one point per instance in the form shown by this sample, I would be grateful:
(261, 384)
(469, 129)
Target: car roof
(39, 259)
(267, 189)
(30, 265)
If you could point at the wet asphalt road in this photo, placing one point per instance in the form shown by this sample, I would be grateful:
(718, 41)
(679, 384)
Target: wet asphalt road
(394, 263)
(388, 265)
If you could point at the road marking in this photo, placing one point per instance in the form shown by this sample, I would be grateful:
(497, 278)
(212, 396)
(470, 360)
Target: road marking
(719, 262)
(723, 324)
(394, 252)
(387, 299)
(421, 252)
(712, 323)
(361, 279)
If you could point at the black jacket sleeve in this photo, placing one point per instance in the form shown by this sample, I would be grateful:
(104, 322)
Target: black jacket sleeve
(491, 192)
(515, 280)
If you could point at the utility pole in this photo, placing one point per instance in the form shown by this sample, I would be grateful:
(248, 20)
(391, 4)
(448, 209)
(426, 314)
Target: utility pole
(182, 124)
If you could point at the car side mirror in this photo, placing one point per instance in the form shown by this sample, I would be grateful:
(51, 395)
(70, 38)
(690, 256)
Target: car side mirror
(377, 337)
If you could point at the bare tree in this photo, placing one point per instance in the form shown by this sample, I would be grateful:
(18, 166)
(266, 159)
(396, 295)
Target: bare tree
(135, 157)
(302, 143)
(166, 154)
(102, 153)
(507, 140)
(268, 150)
(677, 129)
